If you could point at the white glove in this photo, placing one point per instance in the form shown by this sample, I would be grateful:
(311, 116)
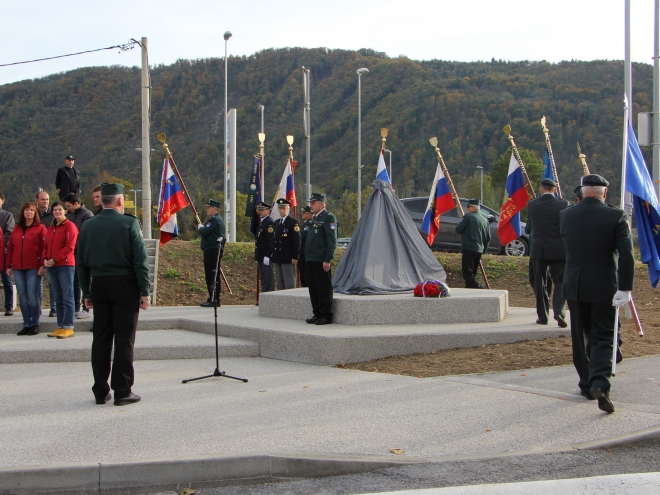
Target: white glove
(266, 260)
(621, 298)
(200, 226)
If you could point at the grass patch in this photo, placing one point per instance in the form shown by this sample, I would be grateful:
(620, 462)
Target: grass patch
(172, 273)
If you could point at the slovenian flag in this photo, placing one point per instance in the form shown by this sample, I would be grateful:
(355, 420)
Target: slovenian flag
(440, 201)
(516, 199)
(170, 201)
(286, 188)
(381, 171)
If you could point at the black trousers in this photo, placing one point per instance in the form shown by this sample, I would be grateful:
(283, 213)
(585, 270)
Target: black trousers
(116, 306)
(301, 270)
(531, 279)
(320, 289)
(210, 259)
(592, 326)
(470, 264)
(544, 271)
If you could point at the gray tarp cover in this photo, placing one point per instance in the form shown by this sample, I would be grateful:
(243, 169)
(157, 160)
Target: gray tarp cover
(386, 254)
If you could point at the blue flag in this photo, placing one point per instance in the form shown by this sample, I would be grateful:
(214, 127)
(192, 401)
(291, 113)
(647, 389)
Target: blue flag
(645, 203)
(547, 171)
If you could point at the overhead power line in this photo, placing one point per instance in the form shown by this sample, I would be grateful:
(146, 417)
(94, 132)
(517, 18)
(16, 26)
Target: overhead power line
(125, 47)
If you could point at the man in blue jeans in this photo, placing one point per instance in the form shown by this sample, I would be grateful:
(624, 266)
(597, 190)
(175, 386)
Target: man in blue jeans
(46, 216)
(7, 225)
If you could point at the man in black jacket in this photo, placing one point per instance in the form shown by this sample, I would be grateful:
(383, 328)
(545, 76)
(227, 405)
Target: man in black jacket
(600, 269)
(547, 254)
(67, 179)
(264, 242)
(287, 246)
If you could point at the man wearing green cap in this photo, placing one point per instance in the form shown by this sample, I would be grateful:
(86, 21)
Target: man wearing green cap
(320, 248)
(304, 230)
(212, 242)
(475, 239)
(113, 269)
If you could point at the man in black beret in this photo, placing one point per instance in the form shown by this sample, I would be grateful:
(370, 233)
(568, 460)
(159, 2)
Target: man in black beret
(304, 230)
(599, 276)
(212, 242)
(287, 246)
(547, 254)
(67, 179)
(113, 268)
(264, 246)
(578, 193)
(475, 239)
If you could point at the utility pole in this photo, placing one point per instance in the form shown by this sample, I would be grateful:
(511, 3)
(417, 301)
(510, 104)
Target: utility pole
(627, 75)
(263, 158)
(146, 147)
(656, 100)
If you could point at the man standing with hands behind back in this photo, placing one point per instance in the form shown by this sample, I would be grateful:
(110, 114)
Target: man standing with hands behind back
(474, 240)
(67, 179)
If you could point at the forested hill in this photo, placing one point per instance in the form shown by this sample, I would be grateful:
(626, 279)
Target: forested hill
(94, 113)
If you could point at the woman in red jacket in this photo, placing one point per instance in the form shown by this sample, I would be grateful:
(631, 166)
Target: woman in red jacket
(60, 263)
(25, 252)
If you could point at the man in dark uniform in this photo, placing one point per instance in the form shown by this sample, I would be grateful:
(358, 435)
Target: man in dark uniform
(67, 179)
(264, 242)
(212, 242)
(547, 254)
(304, 230)
(319, 250)
(475, 239)
(287, 246)
(599, 275)
(113, 268)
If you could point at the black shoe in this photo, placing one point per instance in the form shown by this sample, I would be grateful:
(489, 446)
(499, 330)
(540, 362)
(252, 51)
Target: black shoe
(312, 320)
(587, 395)
(52, 313)
(561, 321)
(24, 331)
(322, 321)
(208, 304)
(33, 330)
(104, 400)
(604, 402)
(129, 399)
(541, 322)
(9, 312)
(619, 356)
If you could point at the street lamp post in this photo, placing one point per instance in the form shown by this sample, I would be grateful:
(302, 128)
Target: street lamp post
(227, 35)
(482, 184)
(361, 71)
(388, 151)
(263, 159)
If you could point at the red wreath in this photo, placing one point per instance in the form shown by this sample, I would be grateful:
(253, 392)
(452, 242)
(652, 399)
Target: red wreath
(427, 290)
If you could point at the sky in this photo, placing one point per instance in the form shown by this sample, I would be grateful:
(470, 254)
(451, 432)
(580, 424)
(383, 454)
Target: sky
(465, 30)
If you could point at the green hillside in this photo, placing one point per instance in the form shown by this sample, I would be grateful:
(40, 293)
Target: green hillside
(95, 114)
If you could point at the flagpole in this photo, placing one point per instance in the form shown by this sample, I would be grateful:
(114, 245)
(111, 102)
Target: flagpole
(516, 153)
(583, 159)
(552, 156)
(457, 201)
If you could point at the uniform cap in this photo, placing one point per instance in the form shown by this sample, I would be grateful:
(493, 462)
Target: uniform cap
(283, 202)
(214, 203)
(317, 197)
(594, 180)
(474, 202)
(110, 189)
(306, 209)
(69, 157)
(262, 206)
(548, 183)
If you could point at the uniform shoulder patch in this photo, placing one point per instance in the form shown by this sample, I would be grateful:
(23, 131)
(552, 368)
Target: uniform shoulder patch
(271, 229)
(296, 228)
(208, 224)
(333, 226)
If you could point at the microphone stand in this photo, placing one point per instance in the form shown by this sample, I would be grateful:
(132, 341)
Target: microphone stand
(217, 371)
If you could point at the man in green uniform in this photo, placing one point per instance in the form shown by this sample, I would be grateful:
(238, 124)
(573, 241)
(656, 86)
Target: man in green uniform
(600, 268)
(113, 269)
(320, 248)
(304, 230)
(475, 239)
(212, 243)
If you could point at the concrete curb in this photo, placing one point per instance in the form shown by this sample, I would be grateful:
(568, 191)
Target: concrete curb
(130, 476)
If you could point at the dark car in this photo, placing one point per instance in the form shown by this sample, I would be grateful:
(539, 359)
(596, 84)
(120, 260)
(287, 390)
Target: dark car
(448, 240)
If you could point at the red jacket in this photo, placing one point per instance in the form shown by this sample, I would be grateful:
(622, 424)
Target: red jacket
(2, 250)
(60, 243)
(27, 247)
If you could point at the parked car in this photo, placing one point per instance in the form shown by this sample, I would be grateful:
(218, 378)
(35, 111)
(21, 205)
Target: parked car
(448, 240)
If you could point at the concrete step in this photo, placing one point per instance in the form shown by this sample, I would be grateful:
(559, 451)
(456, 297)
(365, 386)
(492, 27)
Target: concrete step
(149, 345)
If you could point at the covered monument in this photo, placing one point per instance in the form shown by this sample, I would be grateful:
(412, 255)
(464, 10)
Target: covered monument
(386, 254)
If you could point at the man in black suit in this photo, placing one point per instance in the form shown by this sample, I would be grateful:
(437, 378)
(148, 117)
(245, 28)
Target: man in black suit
(287, 246)
(264, 241)
(548, 255)
(599, 276)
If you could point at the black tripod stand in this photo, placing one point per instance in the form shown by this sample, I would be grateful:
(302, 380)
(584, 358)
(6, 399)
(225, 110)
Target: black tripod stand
(217, 371)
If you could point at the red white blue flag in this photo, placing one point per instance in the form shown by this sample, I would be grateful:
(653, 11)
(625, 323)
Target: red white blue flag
(286, 189)
(516, 199)
(440, 201)
(170, 200)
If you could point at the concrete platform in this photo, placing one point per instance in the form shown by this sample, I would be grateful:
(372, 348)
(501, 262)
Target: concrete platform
(464, 306)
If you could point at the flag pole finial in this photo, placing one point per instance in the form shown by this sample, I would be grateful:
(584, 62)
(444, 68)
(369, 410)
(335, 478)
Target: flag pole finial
(289, 139)
(383, 133)
(262, 138)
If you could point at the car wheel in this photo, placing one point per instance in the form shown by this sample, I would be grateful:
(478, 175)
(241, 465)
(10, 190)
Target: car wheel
(517, 247)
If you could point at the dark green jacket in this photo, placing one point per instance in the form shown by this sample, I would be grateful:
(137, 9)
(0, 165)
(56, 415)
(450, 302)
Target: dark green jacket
(210, 231)
(304, 230)
(476, 232)
(321, 239)
(111, 244)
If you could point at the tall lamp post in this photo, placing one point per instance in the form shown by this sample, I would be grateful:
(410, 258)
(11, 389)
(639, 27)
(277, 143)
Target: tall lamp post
(263, 159)
(361, 71)
(226, 201)
(482, 183)
(388, 151)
